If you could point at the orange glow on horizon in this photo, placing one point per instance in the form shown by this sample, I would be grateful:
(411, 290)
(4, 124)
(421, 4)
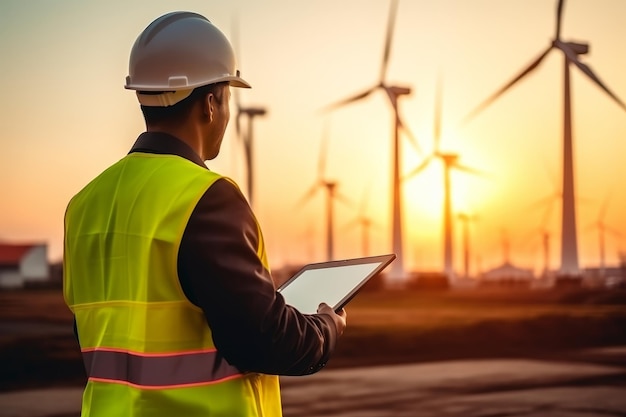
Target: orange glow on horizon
(58, 134)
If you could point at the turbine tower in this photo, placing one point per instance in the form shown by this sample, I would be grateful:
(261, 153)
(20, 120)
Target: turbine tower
(544, 230)
(247, 140)
(245, 137)
(365, 222)
(571, 52)
(396, 274)
(450, 162)
(603, 229)
(331, 194)
(466, 219)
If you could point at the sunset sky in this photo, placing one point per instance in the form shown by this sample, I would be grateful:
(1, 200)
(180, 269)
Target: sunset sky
(65, 117)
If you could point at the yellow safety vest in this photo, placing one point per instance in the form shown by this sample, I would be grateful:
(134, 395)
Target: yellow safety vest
(147, 349)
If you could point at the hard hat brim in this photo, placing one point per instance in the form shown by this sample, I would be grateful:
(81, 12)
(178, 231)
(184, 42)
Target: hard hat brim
(235, 81)
(232, 80)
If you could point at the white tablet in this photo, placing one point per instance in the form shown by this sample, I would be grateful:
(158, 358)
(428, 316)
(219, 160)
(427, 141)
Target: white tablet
(334, 282)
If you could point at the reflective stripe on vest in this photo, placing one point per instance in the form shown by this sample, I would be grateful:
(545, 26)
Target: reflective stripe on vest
(157, 371)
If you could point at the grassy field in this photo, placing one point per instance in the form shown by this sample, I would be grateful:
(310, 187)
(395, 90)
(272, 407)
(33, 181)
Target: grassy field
(37, 347)
(427, 326)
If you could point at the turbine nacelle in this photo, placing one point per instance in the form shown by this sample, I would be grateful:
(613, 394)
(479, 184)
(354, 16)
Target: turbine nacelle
(449, 158)
(329, 184)
(254, 111)
(398, 91)
(577, 48)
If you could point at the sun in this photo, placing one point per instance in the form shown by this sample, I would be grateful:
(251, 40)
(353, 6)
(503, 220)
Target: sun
(424, 196)
(424, 193)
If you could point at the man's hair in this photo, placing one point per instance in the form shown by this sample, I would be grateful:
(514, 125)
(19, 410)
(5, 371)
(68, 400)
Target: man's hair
(179, 111)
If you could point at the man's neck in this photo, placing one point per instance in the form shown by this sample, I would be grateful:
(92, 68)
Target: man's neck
(186, 132)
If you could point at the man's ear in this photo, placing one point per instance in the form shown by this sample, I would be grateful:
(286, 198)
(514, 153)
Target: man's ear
(208, 106)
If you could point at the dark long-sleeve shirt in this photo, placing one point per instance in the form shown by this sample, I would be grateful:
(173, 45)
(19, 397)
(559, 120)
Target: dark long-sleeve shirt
(220, 272)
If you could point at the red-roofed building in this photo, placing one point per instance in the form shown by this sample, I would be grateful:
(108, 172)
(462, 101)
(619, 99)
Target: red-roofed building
(21, 264)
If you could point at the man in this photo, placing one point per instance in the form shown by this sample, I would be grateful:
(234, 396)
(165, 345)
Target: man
(165, 268)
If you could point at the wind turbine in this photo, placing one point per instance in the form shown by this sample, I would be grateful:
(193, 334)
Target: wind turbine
(246, 137)
(571, 52)
(450, 162)
(466, 219)
(365, 222)
(544, 230)
(247, 140)
(505, 241)
(603, 229)
(396, 274)
(331, 194)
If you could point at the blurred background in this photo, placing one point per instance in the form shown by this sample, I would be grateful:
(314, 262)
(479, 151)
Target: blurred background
(487, 268)
(66, 116)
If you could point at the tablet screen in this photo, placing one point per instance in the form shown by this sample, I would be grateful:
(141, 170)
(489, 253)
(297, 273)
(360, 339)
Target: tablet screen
(334, 283)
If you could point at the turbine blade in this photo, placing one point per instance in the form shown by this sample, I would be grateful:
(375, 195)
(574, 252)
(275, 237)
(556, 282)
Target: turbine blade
(235, 35)
(401, 125)
(550, 173)
(352, 223)
(547, 201)
(419, 168)
(604, 208)
(352, 99)
(235, 91)
(613, 231)
(437, 126)
(321, 164)
(390, 26)
(412, 139)
(308, 195)
(595, 225)
(365, 199)
(572, 57)
(236, 47)
(547, 215)
(240, 111)
(468, 218)
(374, 225)
(498, 93)
(344, 199)
(542, 201)
(559, 14)
(238, 124)
(468, 170)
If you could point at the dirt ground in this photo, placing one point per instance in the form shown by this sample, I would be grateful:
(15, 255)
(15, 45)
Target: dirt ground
(37, 346)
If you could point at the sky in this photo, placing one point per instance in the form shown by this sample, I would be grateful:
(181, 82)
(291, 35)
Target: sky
(65, 117)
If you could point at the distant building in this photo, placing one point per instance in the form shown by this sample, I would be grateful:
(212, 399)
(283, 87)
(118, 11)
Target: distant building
(605, 271)
(23, 264)
(428, 280)
(509, 273)
(605, 276)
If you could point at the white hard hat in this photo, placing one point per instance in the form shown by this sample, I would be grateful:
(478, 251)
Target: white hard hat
(176, 53)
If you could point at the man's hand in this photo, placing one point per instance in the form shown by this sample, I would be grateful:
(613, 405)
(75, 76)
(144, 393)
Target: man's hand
(339, 319)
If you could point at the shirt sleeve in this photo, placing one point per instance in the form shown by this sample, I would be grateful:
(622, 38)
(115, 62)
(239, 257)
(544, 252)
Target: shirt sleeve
(221, 273)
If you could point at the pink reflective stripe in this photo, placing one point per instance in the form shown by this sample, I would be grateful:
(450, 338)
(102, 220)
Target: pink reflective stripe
(132, 352)
(157, 371)
(155, 387)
